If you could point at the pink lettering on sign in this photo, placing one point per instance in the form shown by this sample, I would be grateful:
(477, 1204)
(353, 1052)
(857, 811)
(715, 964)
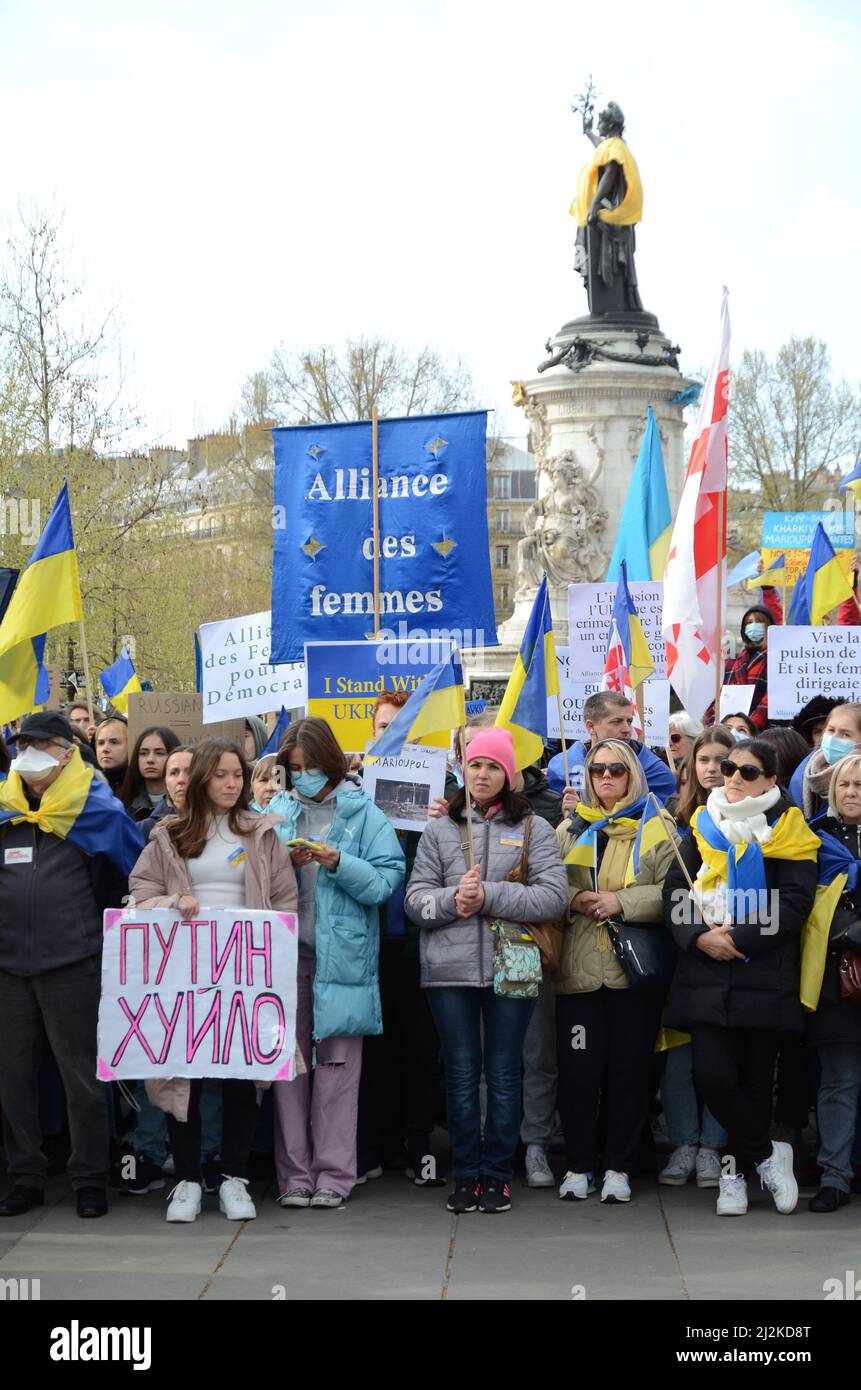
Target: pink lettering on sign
(194, 926)
(212, 1020)
(134, 1030)
(166, 947)
(251, 951)
(237, 1008)
(124, 931)
(168, 1024)
(276, 1030)
(234, 943)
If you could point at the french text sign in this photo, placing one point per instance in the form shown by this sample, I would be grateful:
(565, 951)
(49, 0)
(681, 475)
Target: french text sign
(808, 661)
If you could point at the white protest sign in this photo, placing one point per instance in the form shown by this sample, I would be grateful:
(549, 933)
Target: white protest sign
(735, 699)
(213, 997)
(575, 693)
(236, 677)
(808, 661)
(589, 610)
(404, 787)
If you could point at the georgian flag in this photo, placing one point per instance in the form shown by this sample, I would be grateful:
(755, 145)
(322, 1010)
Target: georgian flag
(616, 674)
(696, 562)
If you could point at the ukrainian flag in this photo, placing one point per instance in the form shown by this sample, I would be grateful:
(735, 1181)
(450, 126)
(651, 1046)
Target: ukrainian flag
(78, 807)
(280, 729)
(646, 524)
(119, 681)
(774, 575)
(535, 678)
(638, 658)
(48, 593)
(24, 682)
(822, 587)
(852, 481)
(435, 707)
(651, 831)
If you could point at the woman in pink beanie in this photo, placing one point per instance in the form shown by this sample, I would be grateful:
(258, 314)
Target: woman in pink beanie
(455, 905)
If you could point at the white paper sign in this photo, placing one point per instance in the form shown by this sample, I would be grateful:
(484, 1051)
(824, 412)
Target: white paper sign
(589, 609)
(237, 679)
(214, 997)
(735, 699)
(404, 787)
(808, 661)
(656, 704)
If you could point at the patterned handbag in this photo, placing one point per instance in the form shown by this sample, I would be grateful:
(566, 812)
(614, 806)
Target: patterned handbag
(516, 957)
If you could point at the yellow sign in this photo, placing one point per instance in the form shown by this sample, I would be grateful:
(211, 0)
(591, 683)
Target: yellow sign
(797, 562)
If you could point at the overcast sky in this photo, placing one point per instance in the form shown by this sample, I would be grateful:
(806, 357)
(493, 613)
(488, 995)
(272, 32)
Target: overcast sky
(237, 174)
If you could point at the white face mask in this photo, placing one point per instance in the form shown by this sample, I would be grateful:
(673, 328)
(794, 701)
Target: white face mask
(33, 764)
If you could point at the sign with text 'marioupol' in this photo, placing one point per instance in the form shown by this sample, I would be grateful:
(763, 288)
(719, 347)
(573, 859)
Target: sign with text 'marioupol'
(434, 565)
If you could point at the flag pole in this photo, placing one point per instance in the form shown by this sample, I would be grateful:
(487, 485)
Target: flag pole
(641, 708)
(659, 809)
(719, 668)
(562, 737)
(375, 504)
(87, 675)
(469, 837)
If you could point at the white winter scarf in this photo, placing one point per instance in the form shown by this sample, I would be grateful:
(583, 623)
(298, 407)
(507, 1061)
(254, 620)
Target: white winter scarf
(742, 821)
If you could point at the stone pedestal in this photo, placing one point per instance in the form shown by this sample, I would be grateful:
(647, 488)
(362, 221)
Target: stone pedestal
(586, 408)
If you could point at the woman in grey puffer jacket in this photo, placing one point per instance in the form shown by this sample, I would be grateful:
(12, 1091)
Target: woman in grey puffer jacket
(454, 906)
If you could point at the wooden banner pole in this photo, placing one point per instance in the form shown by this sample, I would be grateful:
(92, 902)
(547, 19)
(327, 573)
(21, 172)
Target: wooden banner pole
(469, 837)
(87, 675)
(719, 662)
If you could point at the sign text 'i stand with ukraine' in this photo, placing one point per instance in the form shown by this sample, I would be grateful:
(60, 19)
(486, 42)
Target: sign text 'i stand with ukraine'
(431, 546)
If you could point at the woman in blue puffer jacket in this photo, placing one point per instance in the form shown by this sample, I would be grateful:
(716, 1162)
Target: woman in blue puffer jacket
(353, 865)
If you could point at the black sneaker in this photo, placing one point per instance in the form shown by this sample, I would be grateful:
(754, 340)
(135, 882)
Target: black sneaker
(144, 1177)
(465, 1196)
(23, 1198)
(211, 1174)
(495, 1196)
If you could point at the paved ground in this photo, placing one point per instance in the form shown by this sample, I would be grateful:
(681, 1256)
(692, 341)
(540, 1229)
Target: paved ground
(394, 1241)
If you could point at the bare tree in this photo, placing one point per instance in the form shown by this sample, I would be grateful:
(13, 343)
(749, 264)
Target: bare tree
(325, 385)
(791, 426)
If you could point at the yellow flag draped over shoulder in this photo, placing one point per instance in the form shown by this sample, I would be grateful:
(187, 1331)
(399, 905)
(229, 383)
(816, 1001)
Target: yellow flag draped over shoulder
(523, 711)
(48, 592)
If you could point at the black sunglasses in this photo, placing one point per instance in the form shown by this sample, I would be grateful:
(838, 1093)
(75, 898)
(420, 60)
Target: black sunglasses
(676, 738)
(748, 772)
(614, 769)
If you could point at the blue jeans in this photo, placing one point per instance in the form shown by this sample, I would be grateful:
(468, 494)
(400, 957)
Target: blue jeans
(837, 1111)
(679, 1096)
(458, 1014)
(150, 1138)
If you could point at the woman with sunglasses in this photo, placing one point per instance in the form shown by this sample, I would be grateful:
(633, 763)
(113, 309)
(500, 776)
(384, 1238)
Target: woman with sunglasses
(683, 731)
(697, 1143)
(752, 861)
(594, 1001)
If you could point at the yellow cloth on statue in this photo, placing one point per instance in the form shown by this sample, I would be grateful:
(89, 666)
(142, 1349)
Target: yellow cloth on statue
(630, 210)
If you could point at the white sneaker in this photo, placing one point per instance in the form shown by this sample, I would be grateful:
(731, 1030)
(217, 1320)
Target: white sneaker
(295, 1197)
(371, 1173)
(680, 1167)
(732, 1198)
(776, 1174)
(576, 1187)
(616, 1187)
(185, 1202)
(325, 1197)
(234, 1201)
(708, 1168)
(538, 1172)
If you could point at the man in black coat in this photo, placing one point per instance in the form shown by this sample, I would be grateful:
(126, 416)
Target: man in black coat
(52, 896)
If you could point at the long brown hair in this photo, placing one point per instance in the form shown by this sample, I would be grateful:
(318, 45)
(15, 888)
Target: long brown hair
(318, 746)
(133, 782)
(692, 794)
(189, 829)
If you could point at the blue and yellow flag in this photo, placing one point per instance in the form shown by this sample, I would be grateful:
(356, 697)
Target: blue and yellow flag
(435, 707)
(638, 658)
(852, 481)
(652, 830)
(822, 587)
(274, 741)
(48, 593)
(774, 575)
(78, 807)
(119, 681)
(24, 681)
(535, 678)
(646, 524)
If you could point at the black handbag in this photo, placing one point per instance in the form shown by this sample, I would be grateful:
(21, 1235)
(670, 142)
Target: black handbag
(647, 955)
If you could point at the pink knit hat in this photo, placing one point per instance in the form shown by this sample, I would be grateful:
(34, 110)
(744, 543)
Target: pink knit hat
(496, 744)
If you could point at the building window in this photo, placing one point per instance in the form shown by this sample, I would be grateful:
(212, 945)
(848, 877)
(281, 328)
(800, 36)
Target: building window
(502, 521)
(503, 596)
(502, 557)
(502, 486)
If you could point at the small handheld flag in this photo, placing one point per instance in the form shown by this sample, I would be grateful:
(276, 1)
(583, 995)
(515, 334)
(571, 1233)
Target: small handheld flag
(616, 674)
(774, 575)
(523, 711)
(119, 681)
(436, 706)
(638, 658)
(822, 587)
(747, 568)
(274, 741)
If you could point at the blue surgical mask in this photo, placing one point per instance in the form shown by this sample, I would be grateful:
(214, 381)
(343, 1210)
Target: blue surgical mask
(739, 735)
(309, 783)
(835, 748)
(754, 632)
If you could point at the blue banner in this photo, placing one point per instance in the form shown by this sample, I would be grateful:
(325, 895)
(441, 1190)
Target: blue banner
(435, 579)
(795, 530)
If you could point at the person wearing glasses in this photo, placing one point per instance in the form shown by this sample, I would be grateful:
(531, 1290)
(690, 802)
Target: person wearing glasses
(752, 862)
(607, 714)
(605, 1031)
(683, 731)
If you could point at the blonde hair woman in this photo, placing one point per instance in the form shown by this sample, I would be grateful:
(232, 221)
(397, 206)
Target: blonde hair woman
(593, 996)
